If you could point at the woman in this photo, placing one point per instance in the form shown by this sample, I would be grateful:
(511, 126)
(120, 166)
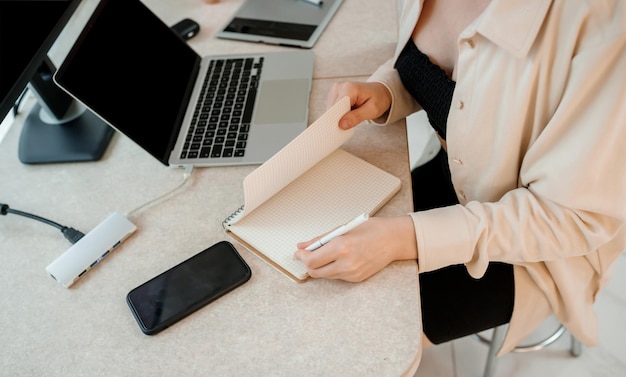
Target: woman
(527, 215)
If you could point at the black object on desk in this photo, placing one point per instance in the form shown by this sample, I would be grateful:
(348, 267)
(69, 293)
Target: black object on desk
(187, 28)
(183, 289)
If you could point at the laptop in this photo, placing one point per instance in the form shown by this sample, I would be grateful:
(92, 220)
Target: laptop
(284, 22)
(145, 81)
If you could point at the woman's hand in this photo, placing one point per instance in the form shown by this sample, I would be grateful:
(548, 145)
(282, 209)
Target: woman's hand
(363, 251)
(368, 100)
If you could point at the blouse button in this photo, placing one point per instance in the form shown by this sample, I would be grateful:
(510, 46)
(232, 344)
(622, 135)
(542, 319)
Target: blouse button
(462, 195)
(457, 161)
(460, 105)
(470, 43)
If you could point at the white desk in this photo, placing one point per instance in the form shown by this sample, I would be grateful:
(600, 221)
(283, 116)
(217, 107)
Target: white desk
(271, 326)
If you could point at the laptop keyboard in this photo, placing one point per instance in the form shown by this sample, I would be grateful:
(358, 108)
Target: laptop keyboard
(221, 121)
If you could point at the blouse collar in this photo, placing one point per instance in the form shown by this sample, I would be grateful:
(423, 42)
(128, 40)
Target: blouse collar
(511, 24)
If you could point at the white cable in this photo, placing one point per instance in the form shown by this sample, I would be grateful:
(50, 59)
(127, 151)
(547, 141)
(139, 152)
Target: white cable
(186, 175)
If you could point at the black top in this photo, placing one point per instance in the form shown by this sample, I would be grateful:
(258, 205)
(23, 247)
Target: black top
(428, 84)
(445, 293)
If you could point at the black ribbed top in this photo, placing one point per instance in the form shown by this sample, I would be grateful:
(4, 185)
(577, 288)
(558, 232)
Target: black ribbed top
(428, 84)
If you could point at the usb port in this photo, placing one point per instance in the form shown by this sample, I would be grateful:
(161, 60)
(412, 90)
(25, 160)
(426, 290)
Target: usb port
(105, 253)
(116, 244)
(94, 263)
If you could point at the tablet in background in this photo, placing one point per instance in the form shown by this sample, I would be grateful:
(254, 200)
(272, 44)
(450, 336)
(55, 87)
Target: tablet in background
(297, 23)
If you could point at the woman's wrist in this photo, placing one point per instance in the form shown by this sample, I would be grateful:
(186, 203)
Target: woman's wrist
(403, 233)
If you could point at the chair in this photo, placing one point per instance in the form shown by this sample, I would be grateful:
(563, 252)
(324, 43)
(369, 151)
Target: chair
(423, 142)
(498, 337)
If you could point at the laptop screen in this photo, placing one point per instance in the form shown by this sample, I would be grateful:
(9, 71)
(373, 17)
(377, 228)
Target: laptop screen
(133, 71)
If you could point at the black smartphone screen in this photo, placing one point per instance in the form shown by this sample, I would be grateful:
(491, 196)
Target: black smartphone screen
(188, 286)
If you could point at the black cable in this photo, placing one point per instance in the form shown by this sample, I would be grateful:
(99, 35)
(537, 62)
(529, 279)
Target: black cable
(16, 106)
(71, 234)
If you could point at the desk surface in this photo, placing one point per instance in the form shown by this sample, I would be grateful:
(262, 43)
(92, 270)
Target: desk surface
(360, 37)
(269, 326)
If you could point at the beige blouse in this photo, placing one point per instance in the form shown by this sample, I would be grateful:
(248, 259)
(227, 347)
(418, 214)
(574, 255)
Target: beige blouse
(536, 141)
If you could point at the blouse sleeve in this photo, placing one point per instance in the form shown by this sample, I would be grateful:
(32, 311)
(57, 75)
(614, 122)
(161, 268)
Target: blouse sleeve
(571, 199)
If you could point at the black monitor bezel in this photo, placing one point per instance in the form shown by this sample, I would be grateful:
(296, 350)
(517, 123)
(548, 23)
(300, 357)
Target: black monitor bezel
(41, 55)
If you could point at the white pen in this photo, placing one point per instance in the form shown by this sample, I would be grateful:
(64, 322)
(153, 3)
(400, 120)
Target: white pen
(316, 2)
(338, 232)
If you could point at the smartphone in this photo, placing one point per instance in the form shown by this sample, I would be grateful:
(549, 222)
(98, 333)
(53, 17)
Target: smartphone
(174, 294)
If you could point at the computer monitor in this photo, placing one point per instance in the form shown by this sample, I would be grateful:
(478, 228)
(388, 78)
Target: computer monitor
(58, 128)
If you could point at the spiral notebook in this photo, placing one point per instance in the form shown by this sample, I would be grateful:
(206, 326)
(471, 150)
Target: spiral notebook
(306, 189)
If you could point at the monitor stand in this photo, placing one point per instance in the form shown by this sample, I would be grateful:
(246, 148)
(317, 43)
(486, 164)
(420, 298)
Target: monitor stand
(58, 128)
(84, 138)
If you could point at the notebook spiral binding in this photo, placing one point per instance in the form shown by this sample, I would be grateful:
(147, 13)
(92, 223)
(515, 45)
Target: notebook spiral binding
(231, 217)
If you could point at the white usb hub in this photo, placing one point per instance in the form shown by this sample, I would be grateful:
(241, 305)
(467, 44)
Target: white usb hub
(90, 249)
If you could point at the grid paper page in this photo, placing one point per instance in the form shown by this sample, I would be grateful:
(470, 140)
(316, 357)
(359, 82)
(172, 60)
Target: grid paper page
(337, 189)
(307, 149)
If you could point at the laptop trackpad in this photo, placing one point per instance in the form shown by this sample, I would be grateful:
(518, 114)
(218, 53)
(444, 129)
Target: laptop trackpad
(282, 101)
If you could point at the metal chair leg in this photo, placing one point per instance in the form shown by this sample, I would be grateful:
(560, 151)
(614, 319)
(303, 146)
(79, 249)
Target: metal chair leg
(576, 347)
(497, 339)
(494, 345)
